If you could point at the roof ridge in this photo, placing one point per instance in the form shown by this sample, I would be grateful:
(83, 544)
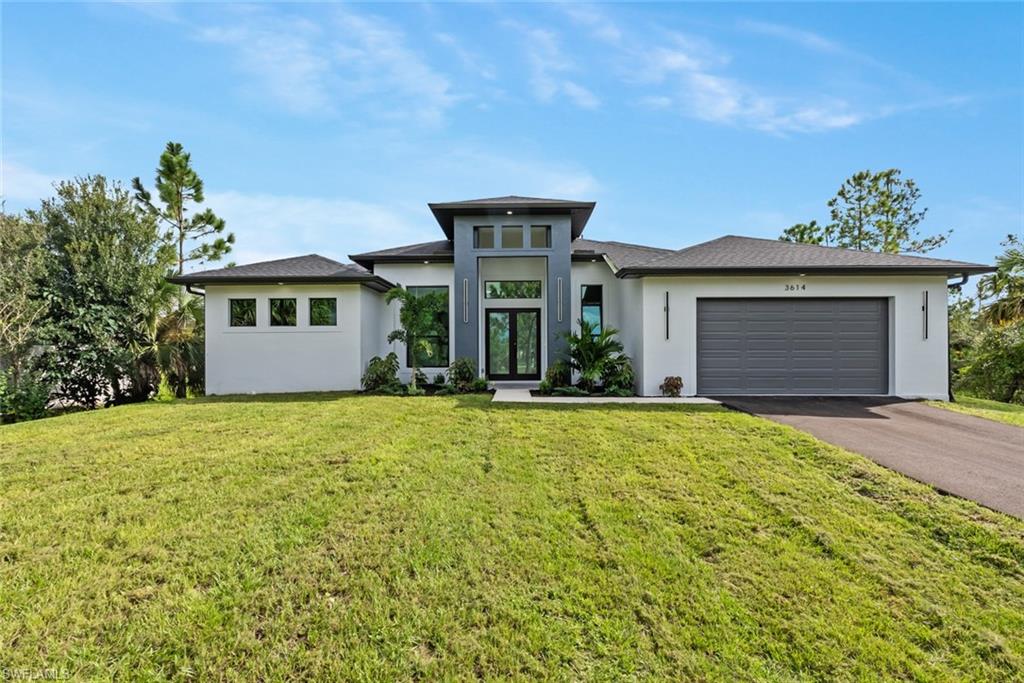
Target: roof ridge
(838, 248)
(631, 245)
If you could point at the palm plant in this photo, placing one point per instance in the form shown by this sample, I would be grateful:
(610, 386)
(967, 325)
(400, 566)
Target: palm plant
(1006, 285)
(594, 354)
(171, 344)
(418, 317)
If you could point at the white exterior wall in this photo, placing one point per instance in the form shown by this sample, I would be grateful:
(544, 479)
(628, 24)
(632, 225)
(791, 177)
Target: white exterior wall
(412, 275)
(621, 306)
(917, 367)
(264, 359)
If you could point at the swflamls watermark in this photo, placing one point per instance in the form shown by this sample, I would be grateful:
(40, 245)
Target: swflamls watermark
(28, 673)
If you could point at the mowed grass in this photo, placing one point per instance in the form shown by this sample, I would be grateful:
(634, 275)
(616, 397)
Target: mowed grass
(353, 537)
(1009, 413)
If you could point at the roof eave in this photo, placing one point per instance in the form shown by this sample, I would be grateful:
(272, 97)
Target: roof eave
(374, 282)
(578, 212)
(367, 261)
(949, 271)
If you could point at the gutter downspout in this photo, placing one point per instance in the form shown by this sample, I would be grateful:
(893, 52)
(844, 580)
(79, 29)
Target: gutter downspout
(952, 287)
(197, 292)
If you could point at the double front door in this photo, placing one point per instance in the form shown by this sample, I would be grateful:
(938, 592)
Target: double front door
(513, 343)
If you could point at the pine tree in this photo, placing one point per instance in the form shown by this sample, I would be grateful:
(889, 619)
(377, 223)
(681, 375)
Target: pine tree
(179, 187)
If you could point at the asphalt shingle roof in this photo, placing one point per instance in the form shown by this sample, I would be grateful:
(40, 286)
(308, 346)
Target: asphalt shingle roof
(439, 250)
(621, 254)
(733, 253)
(309, 268)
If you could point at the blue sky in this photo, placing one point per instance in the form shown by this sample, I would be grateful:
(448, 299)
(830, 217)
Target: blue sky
(326, 128)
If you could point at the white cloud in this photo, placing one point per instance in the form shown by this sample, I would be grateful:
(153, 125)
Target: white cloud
(807, 39)
(549, 66)
(282, 55)
(268, 226)
(599, 24)
(376, 55)
(470, 60)
(24, 185)
(354, 60)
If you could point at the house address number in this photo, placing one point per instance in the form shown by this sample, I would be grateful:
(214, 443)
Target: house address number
(796, 287)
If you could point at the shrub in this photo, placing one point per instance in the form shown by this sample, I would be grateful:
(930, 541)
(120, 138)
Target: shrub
(24, 399)
(544, 387)
(462, 372)
(569, 391)
(439, 379)
(419, 376)
(478, 384)
(558, 374)
(617, 376)
(413, 390)
(382, 373)
(672, 386)
(446, 390)
(995, 365)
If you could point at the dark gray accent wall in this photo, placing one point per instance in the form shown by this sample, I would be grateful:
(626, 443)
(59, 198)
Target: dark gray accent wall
(466, 328)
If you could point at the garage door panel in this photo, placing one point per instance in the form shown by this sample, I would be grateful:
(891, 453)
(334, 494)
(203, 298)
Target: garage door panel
(792, 346)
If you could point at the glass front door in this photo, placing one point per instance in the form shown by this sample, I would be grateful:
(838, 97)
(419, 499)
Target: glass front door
(513, 343)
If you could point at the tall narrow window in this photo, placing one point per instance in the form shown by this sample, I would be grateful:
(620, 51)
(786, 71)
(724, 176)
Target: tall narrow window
(282, 313)
(323, 312)
(592, 309)
(511, 237)
(483, 237)
(243, 312)
(540, 236)
(432, 349)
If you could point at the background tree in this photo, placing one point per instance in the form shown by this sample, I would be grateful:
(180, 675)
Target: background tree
(21, 267)
(809, 233)
(179, 187)
(872, 212)
(418, 317)
(1006, 285)
(103, 259)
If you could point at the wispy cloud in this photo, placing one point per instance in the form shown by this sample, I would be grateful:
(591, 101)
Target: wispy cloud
(322, 67)
(269, 226)
(550, 68)
(601, 26)
(802, 37)
(470, 60)
(23, 186)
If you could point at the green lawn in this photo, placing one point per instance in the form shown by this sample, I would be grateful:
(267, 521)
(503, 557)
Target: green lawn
(1009, 413)
(352, 537)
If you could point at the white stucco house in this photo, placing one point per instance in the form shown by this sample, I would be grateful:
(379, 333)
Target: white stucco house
(735, 315)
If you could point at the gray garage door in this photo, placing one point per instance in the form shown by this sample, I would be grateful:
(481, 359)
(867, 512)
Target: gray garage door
(792, 346)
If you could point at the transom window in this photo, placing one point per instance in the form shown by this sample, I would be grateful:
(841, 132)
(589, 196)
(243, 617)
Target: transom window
(483, 237)
(243, 312)
(283, 313)
(323, 312)
(512, 289)
(511, 237)
(432, 349)
(592, 309)
(540, 236)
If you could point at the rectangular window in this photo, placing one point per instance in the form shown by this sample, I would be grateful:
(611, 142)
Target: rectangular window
(243, 312)
(483, 237)
(592, 309)
(323, 312)
(282, 313)
(512, 289)
(511, 237)
(432, 349)
(540, 236)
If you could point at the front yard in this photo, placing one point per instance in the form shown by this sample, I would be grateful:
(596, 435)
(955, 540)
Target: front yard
(347, 537)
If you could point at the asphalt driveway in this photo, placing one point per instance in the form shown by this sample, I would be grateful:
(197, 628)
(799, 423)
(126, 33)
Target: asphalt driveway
(968, 456)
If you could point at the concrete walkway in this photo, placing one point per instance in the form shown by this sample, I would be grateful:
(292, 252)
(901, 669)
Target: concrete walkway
(522, 395)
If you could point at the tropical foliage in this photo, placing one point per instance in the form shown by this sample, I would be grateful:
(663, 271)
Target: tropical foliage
(382, 374)
(418, 316)
(1005, 288)
(598, 358)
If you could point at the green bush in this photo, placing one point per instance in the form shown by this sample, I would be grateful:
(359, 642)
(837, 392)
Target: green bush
(617, 376)
(994, 367)
(672, 386)
(479, 384)
(598, 358)
(24, 399)
(382, 374)
(421, 377)
(569, 391)
(446, 390)
(558, 374)
(462, 372)
(415, 391)
(439, 379)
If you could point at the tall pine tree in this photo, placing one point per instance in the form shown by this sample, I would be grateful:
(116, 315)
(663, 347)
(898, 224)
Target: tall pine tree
(179, 187)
